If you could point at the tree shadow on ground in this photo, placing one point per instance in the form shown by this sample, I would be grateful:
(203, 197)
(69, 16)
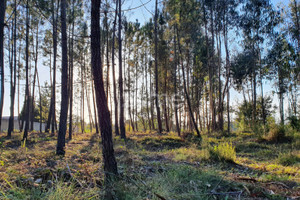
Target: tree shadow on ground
(163, 143)
(93, 140)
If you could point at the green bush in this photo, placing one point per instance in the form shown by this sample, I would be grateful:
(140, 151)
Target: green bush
(294, 122)
(276, 134)
(288, 159)
(223, 152)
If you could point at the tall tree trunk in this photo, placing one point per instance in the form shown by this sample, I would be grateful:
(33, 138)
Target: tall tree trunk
(262, 90)
(147, 96)
(142, 93)
(14, 72)
(88, 102)
(95, 109)
(11, 64)
(51, 115)
(64, 84)
(208, 64)
(34, 76)
(185, 90)
(129, 97)
(136, 89)
(27, 94)
(211, 74)
(226, 89)
(114, 73)
(2, 17)
(110, 164)
(156, 69)
(220, 109)
(281, 107)
(165, 102)
(71, 74)
(40, 94)
(107, 53)
(19, 120)
(254, 96)
(122, 125)
(82, 96)
(54, 123)
(175, 84)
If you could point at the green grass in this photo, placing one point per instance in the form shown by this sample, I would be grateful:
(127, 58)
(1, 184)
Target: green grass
(289, 159)
(149, 165)
(223, 152)
(174, 182)
(190, 154)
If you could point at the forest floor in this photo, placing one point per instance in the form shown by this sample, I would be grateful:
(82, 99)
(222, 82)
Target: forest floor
(151, 166)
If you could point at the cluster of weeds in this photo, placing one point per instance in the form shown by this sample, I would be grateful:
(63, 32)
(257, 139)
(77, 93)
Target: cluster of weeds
(223, 152)
(176, 181)
(60, 190)
(190, 154)
(159, 143)
(277, 134)
(288, 159)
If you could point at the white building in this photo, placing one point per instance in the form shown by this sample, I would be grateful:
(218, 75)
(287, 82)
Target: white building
(5, 121)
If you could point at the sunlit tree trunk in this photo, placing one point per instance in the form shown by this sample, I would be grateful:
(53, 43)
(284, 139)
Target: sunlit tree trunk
(110, 164)
(14, 76)
(122, 124)
(2, 17)
(35, 75)
(64, 84)
(175, 85)
(114, 73)
(95, 109)
(156, 70)
(27, 94)
(71, 74)
(185, 90)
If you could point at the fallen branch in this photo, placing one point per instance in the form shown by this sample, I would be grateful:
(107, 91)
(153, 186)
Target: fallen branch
(227, 193)
(246, 179)
(279, 183)
(160, 197)
(73, 176)
(248, 191)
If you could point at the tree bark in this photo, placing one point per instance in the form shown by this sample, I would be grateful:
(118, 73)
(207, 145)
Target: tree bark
(64, 84)
(175, 84)
(156, 70)
(114, 73)
(147, 96)
(71, 75)
(165, 102)
(27, 94)
(122, 125)
(51, 115)
(34, 76)
(95, 109)
(2, 17)
(14, 76)
(185, 90)
(110, 164)
(211, 75)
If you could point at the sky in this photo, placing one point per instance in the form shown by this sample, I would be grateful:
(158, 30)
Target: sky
(133, 9)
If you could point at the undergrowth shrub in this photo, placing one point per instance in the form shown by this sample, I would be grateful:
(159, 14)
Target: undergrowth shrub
(294, 122)
(288, 159)
(190, 154)
(180, 182)
(223, 152)
(276, 134)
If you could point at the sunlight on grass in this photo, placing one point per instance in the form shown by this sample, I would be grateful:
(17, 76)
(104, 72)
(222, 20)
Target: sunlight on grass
(223, 152)
(190, 154)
